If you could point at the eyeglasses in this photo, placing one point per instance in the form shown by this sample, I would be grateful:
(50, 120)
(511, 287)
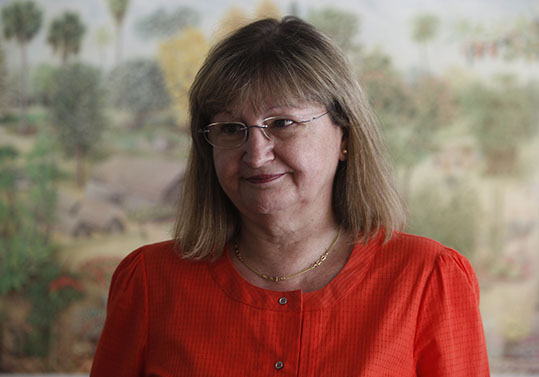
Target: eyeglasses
(234, 134)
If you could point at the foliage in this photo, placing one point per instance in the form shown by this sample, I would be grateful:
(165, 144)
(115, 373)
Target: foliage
(267, 8)
(50, 290)
(8, 191)
(27, 212)
(393, 103)
(41, 171)
(165, 23)
(425, 27)
(234, 18)
(501, 116)
(102, 36)
(180, 58)
(26, 216)
(343, 27)
(434, 108)
(21, 21)
(512, 40)
(65, 35)
(139, 86)
(77, 111)
(410, 113)
(118, 8)
(449, 216)
(43, 83)
(3, 80)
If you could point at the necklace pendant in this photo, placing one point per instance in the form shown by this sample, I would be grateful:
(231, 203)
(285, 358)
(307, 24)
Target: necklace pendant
(276, 279)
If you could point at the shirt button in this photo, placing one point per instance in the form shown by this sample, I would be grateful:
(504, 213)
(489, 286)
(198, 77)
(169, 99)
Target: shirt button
(283, 300)
(279, 365)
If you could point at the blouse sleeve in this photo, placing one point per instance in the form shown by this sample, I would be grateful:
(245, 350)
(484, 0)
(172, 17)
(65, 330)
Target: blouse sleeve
(449, 336)
(121, 348)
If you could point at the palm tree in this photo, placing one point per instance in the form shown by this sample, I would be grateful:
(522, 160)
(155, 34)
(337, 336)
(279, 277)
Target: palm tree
(65, 35)
(118, 9)
(21, 21)
(425, 29)
(3, 76)
(102, 38)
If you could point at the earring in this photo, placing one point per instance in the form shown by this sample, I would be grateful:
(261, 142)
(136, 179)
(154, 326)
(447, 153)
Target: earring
(345, 151)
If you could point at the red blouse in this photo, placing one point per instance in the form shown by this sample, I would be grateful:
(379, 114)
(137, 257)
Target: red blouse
(408, 307)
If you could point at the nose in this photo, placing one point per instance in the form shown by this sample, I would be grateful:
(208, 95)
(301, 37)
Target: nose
(258, 148)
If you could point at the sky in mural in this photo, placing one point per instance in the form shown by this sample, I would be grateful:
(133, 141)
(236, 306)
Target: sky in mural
(385, 24)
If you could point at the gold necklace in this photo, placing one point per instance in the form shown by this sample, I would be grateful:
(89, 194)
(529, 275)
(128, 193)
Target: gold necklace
(316, 263)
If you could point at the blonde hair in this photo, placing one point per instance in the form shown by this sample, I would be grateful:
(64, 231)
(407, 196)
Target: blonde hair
(289, 61)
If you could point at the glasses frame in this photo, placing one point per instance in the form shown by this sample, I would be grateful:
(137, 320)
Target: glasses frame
(206, 130)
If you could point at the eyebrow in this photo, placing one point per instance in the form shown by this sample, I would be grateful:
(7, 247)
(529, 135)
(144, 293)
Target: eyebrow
(278, 110)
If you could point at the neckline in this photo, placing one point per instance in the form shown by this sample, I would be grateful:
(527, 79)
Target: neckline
(238, 289)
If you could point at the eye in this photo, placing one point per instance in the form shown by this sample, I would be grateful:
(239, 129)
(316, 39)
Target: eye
(281, 123)
(230, 128)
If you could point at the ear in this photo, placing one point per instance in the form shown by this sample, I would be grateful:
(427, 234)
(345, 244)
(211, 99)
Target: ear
(343, 154)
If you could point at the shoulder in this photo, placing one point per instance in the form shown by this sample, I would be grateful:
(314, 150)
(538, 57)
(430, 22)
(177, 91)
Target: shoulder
(159, 264)
(420, 248)
(150, 253)
(425, 256)
(156, 261)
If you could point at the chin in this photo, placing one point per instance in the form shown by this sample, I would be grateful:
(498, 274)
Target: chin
(265, 207)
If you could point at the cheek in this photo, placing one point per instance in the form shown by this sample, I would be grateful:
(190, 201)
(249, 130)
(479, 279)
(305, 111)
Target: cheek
(224, 168)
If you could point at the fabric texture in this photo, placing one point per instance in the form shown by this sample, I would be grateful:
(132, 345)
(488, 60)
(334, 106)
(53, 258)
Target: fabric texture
(408, 307)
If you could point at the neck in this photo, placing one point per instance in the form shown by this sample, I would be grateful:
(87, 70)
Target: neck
(286, 250)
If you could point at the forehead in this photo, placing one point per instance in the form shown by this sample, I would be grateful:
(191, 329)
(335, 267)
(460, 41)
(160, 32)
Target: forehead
(267, 110)
(259, 92)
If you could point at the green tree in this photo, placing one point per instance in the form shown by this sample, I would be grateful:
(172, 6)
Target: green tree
(139, 87)
(26, 216)
(502, 117)
(118, 9)
(43, 83)
(41, 171)
(21, 22)
(450, 216)
(411, 113)
(3, 83)
(343, 27)
(27, 266)
(425, 28)
(77, 112)
(165, 23)
(102, 38)
(65, 35)
(8, 192)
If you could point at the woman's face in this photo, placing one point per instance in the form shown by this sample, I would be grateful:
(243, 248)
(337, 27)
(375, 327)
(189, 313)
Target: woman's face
(293, 176)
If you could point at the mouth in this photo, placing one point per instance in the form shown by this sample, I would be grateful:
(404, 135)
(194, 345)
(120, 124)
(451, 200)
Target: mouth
(263, 178)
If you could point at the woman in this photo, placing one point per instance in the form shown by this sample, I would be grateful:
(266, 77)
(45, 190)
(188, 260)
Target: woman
(288, 257)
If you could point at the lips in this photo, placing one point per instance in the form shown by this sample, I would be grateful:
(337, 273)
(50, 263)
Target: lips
(263, 178)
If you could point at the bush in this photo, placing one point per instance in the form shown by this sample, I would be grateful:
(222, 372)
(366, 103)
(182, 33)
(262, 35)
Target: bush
(139, 87)
(49, 291)
(451, 218)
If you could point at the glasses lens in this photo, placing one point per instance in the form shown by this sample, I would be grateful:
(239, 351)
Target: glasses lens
(229, 134)
(282, 127)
